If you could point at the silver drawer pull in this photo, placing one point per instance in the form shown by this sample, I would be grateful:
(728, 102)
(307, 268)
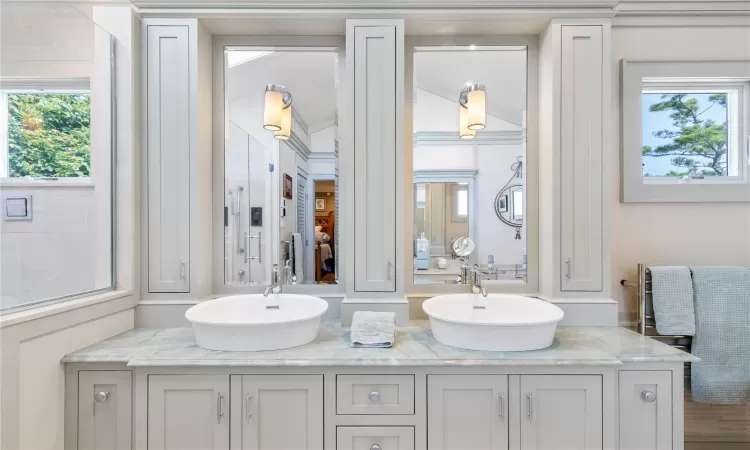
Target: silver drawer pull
(375, 396)
(528, 406)
(648, 396)
(376, 447)
(101, 396)
(219, 412)
(502, 406)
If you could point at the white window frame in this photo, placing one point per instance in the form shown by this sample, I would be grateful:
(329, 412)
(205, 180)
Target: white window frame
(45, 86)
(642, 77)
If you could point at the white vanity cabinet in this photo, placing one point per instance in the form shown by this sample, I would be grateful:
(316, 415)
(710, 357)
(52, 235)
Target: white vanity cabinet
(646, 409)
(104, 413)
(272, 412)
(561, 411)
(376, 69)
(467, 412)
(188, 411)
(177, 161)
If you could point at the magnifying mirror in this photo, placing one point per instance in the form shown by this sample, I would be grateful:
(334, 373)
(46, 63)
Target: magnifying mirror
(462, 246)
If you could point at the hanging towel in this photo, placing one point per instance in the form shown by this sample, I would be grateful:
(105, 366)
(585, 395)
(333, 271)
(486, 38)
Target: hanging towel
(298, 248)
(672, 294)
(373, 329)
(722, 335)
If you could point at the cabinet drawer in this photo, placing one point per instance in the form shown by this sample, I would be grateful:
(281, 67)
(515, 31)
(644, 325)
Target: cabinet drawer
(645, 399)
(374, 438)
(375, 394)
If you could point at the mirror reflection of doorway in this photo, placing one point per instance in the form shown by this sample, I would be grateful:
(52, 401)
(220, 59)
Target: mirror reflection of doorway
(324, 231)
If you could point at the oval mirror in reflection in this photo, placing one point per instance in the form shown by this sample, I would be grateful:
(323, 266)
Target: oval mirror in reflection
(509, 205)
(462, 246)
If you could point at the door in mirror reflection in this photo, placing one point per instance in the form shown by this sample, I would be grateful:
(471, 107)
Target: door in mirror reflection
(469, 150)
(281, 165)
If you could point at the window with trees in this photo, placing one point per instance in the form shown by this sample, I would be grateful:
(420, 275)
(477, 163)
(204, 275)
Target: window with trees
(691, 132)
(684, 131)
(46, 134)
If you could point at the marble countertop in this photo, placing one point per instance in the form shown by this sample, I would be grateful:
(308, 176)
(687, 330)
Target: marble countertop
(415, 346)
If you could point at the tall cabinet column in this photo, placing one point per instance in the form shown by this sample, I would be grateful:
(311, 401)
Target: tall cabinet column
(372, 162)
(575, 121)
(176, 197)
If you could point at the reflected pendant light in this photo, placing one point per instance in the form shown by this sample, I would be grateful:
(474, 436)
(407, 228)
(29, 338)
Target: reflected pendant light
(286, 124)
(476, 97)
(277, 98)
(463, 124)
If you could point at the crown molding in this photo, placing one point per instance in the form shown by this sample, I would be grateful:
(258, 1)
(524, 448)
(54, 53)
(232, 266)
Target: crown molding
(298, 146)
(377, 4)
(435, 138)
(681, 7)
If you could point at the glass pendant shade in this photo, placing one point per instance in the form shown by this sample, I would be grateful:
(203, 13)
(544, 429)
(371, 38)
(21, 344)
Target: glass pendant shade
(476, 106)
(286, 124)
(463, 124)
(272, 111)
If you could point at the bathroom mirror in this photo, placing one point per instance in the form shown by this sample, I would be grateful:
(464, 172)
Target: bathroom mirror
(469, 140)
(281, 181)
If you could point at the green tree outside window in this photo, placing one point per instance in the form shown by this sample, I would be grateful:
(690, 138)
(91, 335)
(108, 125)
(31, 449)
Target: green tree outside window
(49, 135)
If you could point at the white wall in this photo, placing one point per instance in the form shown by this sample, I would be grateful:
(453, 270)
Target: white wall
(686, 233)
(323, 140)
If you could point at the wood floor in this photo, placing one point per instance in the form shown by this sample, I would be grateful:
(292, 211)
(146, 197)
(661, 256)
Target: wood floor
(716, 424)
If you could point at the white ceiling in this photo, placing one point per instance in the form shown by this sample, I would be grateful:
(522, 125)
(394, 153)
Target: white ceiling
(311, 77)
(503, 72)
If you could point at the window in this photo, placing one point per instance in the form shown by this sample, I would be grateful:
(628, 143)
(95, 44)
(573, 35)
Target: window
(684, 131)
(691, 132)
(46, 134)
(460, 203)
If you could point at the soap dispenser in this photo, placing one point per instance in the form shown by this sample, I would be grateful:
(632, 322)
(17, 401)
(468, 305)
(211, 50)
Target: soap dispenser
(422, 259)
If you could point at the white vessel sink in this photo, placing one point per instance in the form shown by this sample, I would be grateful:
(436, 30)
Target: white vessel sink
(506, 323)
(254, 322)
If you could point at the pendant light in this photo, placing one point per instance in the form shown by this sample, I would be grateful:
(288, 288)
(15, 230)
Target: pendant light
(277, 99)
(286, 125)
(473, 98)
(463, 124)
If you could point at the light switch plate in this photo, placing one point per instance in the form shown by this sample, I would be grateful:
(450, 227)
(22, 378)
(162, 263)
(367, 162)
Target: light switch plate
(16, 207)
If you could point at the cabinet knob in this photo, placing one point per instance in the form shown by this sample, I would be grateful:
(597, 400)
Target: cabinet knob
(375, 397)
(376, 447)
(648, 396)
(101, 396)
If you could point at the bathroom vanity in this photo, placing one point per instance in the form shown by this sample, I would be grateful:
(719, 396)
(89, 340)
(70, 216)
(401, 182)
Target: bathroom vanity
(594, 388)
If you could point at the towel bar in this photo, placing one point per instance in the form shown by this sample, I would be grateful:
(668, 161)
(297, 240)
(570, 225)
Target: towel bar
(646, 321)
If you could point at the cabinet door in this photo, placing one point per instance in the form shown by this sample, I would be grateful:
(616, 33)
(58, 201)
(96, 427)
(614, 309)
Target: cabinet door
(168, 150)
(561, 412)
(277, 412)
(370, 438)
(375, 159)
(105, 405)
(581, 148)
(645, 410)
(467, 412)
(188, 412)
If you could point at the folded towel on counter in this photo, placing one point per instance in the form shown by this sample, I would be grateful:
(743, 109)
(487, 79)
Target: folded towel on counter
(672, 294)
(373, 329)
(722, 335)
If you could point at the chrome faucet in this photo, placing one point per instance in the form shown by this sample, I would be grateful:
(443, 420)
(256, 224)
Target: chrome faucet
(477, 287)
(275, 281)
